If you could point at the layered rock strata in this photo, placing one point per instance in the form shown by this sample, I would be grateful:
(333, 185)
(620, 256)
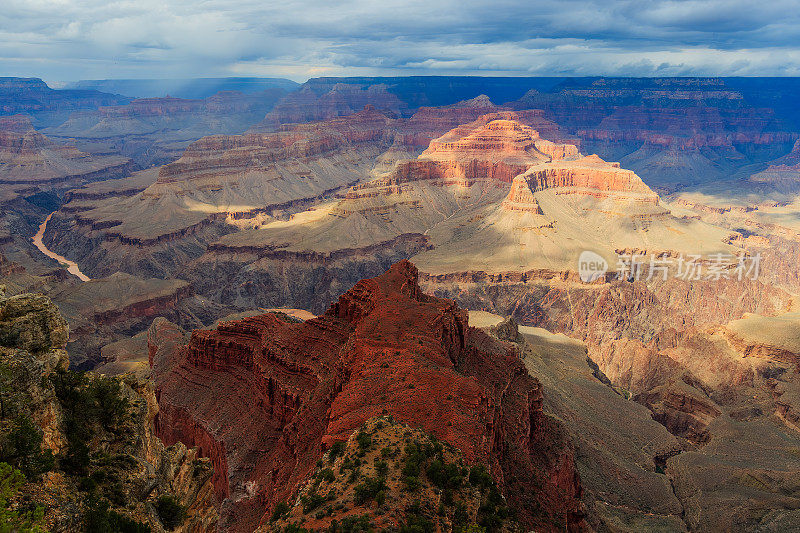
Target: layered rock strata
(384, 347)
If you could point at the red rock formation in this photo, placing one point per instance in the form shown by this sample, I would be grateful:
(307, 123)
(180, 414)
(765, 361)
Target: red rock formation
(272, 396)
(496, 146)
(428, 123)
(590, 175)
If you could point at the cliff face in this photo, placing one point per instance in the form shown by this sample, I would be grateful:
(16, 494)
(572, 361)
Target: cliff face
(291, 390)
(37, 386)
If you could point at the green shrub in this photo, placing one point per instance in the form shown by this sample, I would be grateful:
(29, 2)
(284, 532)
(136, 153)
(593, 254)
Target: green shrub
(416, 522)
(460, 516)
(382, 468)
(326, 475)
(22, 448)
(351, 524)
(444, 475)
(479, 477)
(364, 440)
(281, 509)
(368, 489)
(337, 449)
(170, 511)
(492, 512)
(311, 501)
(99, 519)
(16, 520)
(411, 484)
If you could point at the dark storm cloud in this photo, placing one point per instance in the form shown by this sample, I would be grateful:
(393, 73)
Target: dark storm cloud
(70, 39)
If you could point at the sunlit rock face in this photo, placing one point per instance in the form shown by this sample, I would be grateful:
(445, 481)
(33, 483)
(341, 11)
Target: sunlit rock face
(264, 398)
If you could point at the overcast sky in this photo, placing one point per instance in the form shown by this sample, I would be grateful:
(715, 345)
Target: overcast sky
(65, 40)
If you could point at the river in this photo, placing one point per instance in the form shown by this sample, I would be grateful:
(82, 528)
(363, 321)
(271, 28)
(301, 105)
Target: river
(72, 266)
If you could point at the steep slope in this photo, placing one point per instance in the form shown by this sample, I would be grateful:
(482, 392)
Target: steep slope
(389, 476)
(292, 390)
(81, 445)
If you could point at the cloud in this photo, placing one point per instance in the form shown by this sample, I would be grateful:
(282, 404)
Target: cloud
(73, 39)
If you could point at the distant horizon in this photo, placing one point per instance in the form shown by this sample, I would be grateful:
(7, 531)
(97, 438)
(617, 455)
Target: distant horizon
(302, 39)
(61, 84)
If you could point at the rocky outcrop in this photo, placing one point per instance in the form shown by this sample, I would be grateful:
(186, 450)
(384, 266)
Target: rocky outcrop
(378, 451)
(33, 336)
(291, 390)
(35, 384)
(496, 146)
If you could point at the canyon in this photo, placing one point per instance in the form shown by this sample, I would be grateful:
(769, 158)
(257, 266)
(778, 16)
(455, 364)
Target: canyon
(217, 231)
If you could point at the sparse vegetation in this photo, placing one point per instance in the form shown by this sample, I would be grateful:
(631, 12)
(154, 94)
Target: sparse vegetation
(170, 511)
(16, 520)
(381, 469)
(280, 511)
(100, 519)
